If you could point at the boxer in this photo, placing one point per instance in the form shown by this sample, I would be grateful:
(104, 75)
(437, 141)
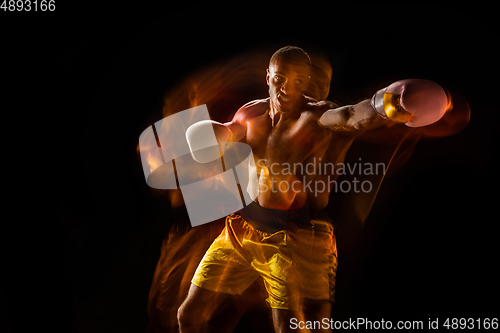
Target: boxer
(284, 237)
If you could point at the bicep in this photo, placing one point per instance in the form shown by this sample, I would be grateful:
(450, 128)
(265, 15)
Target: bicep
(336, 119)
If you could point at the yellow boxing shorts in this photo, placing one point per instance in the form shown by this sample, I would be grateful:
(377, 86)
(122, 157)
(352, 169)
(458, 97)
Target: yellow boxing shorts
(294, 264)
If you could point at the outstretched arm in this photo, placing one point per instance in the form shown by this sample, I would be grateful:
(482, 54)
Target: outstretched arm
(414, 102)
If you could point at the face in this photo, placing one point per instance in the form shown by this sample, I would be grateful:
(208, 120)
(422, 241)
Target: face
(287, 82)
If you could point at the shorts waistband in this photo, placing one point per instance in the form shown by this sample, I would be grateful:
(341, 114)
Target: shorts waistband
(273, 220)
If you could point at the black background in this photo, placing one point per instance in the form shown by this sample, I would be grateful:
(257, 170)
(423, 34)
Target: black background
(429, 247)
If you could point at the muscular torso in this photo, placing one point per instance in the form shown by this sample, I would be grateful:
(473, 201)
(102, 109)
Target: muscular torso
(290, 156)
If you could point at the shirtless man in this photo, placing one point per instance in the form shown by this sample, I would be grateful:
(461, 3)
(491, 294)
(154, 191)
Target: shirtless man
(283, 237)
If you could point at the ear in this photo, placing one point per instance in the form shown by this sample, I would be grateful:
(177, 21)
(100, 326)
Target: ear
(268, 76)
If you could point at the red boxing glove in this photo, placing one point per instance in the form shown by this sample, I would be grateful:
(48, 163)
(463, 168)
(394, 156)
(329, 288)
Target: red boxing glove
(414, 102)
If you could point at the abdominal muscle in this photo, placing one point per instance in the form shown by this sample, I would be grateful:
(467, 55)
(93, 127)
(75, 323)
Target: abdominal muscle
(283, 191)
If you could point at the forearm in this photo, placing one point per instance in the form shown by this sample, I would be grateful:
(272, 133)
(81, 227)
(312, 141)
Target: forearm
(361, 116)
(365, 117)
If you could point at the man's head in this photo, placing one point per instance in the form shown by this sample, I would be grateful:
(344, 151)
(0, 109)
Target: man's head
(288, 77)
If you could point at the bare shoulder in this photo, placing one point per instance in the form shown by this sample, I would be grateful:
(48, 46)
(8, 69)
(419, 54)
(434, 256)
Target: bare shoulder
(319, 107)
(251, 110)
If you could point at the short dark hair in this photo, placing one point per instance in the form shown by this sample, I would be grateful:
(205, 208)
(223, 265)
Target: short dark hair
(291, 52)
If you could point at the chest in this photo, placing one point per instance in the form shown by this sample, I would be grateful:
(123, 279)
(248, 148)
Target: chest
(291, 139)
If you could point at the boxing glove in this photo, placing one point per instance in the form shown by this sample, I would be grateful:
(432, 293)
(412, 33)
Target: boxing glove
(414, 102)
(203, 139)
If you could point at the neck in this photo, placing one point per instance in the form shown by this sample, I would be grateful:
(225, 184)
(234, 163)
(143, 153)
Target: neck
(279, 116)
